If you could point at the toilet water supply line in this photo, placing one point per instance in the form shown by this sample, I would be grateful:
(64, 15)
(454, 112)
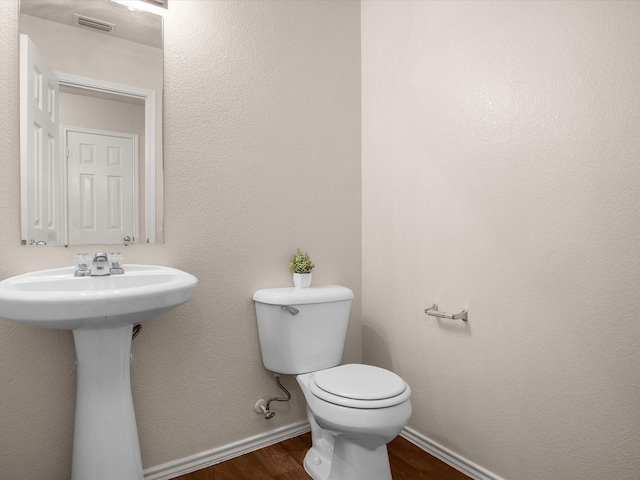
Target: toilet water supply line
(136, 330)
(261, 405)
(268, 414)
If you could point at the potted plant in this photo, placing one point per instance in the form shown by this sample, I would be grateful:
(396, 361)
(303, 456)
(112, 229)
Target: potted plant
(301, 266)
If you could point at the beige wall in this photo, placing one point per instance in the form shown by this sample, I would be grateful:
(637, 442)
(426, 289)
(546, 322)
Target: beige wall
(500, 174)
(262, 155)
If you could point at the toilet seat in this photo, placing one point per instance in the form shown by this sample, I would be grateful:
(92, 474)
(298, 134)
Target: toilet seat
(359, 386)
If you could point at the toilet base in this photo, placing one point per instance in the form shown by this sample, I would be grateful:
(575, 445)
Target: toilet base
(363, 464)
(325, 460)
(317, 463)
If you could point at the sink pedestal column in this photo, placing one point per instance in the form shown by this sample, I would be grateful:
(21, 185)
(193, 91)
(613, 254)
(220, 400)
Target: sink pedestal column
(105, 443)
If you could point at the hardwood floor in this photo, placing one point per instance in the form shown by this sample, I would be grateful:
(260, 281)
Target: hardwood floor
(283, 461)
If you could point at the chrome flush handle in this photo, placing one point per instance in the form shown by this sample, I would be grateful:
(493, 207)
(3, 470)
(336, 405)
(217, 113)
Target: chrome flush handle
(290, 309)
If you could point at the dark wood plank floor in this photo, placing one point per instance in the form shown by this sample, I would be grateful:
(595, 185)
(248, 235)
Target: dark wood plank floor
(283, 461)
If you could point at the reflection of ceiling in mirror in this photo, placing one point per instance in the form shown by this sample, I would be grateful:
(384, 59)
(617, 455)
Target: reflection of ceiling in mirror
(134, 26)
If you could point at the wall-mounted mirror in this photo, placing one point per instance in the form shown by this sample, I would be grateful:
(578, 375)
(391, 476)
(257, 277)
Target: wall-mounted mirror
(91, 79)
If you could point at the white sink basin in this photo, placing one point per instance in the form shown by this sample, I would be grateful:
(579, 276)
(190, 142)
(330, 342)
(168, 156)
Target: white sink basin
(56, 299)
(101, 312)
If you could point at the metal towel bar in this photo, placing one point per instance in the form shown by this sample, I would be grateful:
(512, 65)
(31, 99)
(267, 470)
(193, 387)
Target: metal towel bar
(433, 311)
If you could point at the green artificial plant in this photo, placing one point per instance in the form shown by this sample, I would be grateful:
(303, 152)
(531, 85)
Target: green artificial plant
(301, 262)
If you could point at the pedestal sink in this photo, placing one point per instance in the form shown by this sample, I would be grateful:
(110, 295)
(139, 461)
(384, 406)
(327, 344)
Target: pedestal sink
(101, 311)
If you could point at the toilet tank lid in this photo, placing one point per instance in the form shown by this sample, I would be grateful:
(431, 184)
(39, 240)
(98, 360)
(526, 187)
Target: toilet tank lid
(301, 296)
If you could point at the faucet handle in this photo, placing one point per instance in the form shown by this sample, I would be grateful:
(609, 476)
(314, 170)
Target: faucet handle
(82, 262)
(115, 263)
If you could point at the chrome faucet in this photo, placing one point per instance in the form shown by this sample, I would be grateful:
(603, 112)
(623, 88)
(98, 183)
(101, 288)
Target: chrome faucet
(100, 265)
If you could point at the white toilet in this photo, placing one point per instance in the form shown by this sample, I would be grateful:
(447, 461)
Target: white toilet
(354, 410)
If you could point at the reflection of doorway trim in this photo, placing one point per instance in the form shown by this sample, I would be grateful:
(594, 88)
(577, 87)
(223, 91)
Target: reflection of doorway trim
(135, 213)
(150, 151)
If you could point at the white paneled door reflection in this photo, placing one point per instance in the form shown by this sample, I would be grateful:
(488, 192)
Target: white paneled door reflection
(102, 186)
(39, 102)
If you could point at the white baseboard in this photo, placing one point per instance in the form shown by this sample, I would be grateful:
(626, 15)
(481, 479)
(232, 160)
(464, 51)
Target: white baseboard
(447, 456)
(207, 458)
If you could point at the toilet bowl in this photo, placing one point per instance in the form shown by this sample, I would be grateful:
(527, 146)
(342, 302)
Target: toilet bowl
(354, 410)
(350, 433)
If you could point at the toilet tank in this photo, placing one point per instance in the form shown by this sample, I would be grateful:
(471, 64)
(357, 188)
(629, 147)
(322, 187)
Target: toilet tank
(302, 329)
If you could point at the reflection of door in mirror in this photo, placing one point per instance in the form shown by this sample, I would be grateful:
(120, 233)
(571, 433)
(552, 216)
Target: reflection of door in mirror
(78, 193)
(102, 186)
(105, 113)
(39, 98)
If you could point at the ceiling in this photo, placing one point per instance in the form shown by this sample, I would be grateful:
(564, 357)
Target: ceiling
(135, 26)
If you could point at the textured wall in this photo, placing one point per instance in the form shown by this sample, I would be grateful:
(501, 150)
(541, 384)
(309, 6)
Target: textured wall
(500, 174)
(262, 155)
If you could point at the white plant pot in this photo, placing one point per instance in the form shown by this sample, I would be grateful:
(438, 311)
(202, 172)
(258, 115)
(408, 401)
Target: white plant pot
(302, 280)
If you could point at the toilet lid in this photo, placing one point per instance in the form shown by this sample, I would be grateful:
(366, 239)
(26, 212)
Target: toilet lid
(360, 386)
